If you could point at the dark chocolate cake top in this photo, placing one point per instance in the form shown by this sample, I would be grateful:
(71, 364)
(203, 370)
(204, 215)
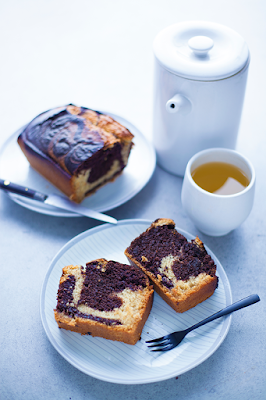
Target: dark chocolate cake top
(64, 136)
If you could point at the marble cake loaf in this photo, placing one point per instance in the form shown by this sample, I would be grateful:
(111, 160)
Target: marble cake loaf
(182, 272)
(77, 149)
(106, 299)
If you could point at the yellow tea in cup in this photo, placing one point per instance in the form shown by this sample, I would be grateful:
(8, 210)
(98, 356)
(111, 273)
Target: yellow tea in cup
(220, 178)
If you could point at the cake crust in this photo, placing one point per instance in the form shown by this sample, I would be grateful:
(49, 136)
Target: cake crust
(105, 299)
(77, 149)
(182, 272)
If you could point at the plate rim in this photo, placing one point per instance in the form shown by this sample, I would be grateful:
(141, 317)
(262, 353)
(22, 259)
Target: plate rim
(27, 203)
(76, 239)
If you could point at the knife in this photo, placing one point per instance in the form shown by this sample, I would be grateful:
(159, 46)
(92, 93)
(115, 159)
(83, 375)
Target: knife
(55, 200)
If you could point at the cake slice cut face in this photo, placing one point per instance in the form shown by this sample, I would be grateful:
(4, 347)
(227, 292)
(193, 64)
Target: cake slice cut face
(106, 299)
(182, 272)
(77, 149)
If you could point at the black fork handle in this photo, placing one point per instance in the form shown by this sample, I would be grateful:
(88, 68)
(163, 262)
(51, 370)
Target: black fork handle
(253, 298)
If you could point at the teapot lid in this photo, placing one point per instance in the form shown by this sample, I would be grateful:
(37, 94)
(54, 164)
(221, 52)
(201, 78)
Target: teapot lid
(201, 50)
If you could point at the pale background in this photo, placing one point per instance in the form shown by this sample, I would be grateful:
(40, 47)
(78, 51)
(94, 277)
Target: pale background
(99, 54)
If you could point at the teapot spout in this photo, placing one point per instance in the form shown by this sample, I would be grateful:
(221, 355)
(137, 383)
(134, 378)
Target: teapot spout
(178, 103)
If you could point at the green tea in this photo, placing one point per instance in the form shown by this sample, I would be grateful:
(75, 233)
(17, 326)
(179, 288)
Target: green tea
(220, 178)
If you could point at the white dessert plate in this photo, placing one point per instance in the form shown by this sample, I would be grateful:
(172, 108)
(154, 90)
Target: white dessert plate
(122, 363)
(142, 160)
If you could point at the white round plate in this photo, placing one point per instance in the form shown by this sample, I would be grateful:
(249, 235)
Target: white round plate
(122, 363)
(142, 160)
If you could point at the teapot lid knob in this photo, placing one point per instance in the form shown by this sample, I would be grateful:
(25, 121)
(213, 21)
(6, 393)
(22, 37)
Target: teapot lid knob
(200, 45)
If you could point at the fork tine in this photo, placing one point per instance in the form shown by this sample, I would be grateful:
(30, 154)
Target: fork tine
(158, 339)
(162, 343)
(166, 347)
(155, 340)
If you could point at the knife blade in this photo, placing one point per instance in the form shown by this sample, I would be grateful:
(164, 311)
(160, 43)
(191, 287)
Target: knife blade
(55, 200)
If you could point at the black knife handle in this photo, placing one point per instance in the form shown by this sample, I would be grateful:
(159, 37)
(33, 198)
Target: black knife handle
(21, 190)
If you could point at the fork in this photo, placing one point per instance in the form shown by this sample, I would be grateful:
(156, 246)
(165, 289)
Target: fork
(172, 340)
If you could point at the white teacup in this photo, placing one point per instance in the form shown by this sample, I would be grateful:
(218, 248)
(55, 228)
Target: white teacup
(213, 214)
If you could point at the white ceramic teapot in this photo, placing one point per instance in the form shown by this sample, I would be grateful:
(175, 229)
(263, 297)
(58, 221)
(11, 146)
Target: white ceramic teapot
(199, 86)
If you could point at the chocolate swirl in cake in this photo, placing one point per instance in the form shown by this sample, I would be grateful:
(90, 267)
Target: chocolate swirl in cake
(101, 285)
(182, 272)
(163, 240)
(99, 289)
(65, 303)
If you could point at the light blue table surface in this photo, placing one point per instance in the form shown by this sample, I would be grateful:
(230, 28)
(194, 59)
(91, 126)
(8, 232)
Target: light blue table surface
(99, 54)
